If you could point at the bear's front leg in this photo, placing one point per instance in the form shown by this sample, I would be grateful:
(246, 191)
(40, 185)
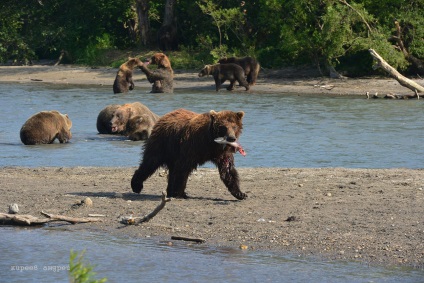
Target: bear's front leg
(217, 83)
(229, 175)
(131, 83)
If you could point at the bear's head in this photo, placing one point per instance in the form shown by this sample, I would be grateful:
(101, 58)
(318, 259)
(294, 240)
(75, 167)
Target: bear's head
(161, 60)
(139, 127)
(68, 121)
(120, 118)
(133, 62)
(207, 69)
(227, 128)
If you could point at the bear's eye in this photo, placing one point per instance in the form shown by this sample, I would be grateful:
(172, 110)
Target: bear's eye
(222, 131)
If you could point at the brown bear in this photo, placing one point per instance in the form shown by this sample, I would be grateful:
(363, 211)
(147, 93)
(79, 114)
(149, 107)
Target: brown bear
(125, 112)
(162, 78)
(103, 119)
(223, 72)
(123, 80)
(45, 126)
(182, 140)
(250, 66)
(139, 127)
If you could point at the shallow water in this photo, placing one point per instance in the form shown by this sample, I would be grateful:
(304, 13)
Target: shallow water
(280, 130)
(46, 259)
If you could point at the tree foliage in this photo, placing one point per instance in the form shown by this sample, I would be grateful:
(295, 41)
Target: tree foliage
(325, 33)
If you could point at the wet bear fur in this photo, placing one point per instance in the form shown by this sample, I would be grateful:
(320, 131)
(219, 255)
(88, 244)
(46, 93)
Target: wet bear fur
(223, 72)
(46, 126)
(182, 140)
(123, 80)
(139, 127)
(162, 79)
(103, 120)
(250, 66)
(125, 112)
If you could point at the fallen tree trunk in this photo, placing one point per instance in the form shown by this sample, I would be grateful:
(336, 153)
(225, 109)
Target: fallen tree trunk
(381, 63)
(29, 220)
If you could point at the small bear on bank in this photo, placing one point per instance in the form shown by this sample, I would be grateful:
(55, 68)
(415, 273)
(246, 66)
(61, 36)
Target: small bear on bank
(124, 113)
(46, 126)
(223, 72)
(250, 66)
(182, 140)
(123, 80)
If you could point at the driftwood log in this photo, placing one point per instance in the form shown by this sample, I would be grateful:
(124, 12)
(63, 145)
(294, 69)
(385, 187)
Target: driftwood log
(381, 63)
(29, 220)
(130, 220)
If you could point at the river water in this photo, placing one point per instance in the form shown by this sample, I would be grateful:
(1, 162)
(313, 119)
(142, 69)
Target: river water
(279, 131)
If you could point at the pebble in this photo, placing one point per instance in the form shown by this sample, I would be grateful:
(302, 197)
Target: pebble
(13, 208)
(243, 247)
(87, 201)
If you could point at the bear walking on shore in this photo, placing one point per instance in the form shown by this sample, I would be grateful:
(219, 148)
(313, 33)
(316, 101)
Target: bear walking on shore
(223, 72)
(250, 66)
(182, 140)
(123, 80)
(46, 126)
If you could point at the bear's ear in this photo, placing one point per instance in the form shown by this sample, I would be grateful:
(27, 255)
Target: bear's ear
(240, 114)
(213, 113)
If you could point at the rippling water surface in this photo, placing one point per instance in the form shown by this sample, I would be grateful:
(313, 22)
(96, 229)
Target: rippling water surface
(279, 130)
(46, 259)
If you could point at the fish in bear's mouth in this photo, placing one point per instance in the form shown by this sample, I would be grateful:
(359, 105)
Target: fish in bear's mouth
(234, 144)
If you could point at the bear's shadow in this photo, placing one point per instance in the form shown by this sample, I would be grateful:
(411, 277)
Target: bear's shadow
(140, 197)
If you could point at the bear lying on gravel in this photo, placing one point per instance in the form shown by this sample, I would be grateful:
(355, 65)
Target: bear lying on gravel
(162, 78)
(223, 72)
(182, 140)
(123, 80)
(46, 126)
(250, 66)
(124, 113)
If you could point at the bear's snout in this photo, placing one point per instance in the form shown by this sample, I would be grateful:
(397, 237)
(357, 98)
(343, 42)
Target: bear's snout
(230, 139)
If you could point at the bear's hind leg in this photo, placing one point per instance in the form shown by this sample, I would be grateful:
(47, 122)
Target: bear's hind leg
(231, 86)
(242, 82)
(143, 172)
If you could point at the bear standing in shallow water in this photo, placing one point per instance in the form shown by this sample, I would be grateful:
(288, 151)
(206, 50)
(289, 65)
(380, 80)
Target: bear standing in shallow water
(123, 80)
(162, 78)
(45, 126)
(182, 140)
